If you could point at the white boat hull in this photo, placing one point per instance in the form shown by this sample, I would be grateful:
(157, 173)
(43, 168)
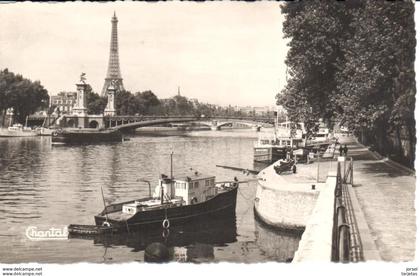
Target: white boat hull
(17, 133)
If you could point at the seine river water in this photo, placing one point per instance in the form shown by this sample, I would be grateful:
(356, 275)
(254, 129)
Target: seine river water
(42, 186)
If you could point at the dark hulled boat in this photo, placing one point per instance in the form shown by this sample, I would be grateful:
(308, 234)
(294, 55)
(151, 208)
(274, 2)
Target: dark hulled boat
(269, 154)
(85, 136)
(190, 198)
(175, 202)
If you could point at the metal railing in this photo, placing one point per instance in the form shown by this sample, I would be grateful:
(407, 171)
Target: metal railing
(346, 243)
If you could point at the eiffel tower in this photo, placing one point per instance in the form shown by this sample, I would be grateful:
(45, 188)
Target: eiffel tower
(114, 73)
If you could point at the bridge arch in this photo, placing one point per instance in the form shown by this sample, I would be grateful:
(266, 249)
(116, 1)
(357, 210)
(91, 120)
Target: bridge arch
(71, 123)
(222, 124)
(93, 124)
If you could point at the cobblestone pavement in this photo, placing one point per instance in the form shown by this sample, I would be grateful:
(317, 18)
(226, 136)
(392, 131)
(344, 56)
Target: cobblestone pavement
(386, 194)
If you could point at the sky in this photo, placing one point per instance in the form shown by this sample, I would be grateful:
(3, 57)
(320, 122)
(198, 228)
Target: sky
(227, 53)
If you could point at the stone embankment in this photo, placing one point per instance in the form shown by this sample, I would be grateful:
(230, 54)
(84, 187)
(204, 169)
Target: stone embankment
(382, 198)
(287, 200)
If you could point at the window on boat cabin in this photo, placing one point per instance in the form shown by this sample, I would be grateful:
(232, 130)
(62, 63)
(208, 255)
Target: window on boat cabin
(212, 181)
(180, 185)
(207, 182)
(264, 142)
(190, 185)
(196, 184)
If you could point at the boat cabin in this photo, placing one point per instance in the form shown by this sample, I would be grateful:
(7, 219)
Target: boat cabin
(193, 188)
(19, 127)
(187, 190)
(15, 127)
(279, 141)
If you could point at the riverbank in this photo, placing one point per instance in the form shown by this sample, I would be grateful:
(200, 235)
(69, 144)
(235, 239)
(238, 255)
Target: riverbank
(385, 192)
(382, 200)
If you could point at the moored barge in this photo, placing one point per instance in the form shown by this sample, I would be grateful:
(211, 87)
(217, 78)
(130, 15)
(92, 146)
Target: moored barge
(175, 202)
(85, 136)
(186, 199)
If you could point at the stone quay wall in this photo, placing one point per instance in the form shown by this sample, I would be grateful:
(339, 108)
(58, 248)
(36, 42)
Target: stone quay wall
(284, 209)
(316, 241)
(298, 202)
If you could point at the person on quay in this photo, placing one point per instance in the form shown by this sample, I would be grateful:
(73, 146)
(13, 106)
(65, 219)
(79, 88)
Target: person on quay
(345, 149)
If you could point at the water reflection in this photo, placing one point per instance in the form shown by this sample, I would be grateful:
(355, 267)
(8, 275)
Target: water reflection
(276, 244)
(193, 242)
(46, 187)
(19, 185)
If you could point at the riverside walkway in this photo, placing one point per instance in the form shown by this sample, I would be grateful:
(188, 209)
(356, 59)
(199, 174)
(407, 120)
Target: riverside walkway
(385, 192)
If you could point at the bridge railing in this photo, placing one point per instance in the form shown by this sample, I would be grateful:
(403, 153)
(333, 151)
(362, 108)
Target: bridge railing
(205, 118)
(251, 118)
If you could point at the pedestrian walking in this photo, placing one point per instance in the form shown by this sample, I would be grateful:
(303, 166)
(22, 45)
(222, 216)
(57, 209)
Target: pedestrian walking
(345, 149)
(341, 150)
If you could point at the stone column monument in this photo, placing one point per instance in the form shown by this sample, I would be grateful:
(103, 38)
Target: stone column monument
(110, 107)
(79, 108)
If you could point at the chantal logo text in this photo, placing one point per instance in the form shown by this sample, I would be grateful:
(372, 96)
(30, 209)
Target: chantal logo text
(33, 233)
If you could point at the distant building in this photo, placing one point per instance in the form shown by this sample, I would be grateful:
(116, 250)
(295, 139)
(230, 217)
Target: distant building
(64, 101)
(264, 110)
(256, 110)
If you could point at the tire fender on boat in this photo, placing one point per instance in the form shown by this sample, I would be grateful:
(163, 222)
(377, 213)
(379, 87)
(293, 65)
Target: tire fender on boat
(194, 200)
(107, 224)
(166, 224)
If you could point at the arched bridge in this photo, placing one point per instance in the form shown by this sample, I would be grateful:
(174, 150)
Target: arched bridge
(152, 122)
(132, 122)
(217, 124)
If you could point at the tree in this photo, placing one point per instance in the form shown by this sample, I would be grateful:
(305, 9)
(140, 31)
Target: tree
(377, 81)
(147, 102)
(21, 94)
(95, 104)
(352, 61)
(125, 103)
(317, 30)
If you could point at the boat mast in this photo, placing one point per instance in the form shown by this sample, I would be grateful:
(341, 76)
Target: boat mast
(161, 192)
(103, 199)
(45, 119)
(26, 121)
(172, 154)
(276, 122)
(171, 179)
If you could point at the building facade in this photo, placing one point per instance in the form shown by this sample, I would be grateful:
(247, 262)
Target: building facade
(256, 110)
(63, 101)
